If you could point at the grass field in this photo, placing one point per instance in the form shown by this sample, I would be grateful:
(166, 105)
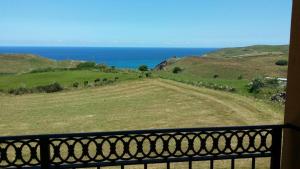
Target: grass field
(65, 78)
(151, 103)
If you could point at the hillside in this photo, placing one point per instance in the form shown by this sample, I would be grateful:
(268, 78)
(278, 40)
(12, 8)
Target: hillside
(233, 69)
(257, 50)
(230, 63)
(20, 63)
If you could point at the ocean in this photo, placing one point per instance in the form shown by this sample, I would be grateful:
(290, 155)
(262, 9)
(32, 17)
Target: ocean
(112, 56)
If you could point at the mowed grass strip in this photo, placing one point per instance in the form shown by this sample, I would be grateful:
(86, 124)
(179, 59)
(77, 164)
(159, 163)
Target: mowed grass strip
(143, 104)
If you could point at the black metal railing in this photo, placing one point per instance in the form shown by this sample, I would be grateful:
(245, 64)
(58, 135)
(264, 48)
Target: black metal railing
(144, 147)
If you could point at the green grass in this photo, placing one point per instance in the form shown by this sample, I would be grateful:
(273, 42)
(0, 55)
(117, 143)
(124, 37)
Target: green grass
(142, 104)
(65, 78)
(256, 50)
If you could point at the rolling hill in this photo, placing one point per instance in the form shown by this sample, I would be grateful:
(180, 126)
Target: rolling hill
(21, 63)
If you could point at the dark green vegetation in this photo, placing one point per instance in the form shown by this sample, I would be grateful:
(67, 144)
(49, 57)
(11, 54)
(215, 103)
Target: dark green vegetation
(282, 62)
(143, 68)
(177, 70)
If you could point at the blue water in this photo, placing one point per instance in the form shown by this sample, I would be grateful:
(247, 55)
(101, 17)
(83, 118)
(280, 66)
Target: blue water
(119, 57)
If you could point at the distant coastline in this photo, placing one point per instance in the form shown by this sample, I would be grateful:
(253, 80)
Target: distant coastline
(121, 57)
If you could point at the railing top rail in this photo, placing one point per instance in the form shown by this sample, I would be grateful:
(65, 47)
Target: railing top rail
(148, 131)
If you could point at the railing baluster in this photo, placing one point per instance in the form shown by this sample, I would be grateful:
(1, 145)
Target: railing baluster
(211, 164)
(190, 164)
(253, 163)
(122, 167)
(276, 148)
(232, 163)
(145, 166)
(45, 152)
(168, 165)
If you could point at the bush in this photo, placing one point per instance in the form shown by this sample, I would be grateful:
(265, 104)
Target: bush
(116, 78)
(143, 68)
(55, 87)
(240, 77)
(76, 84)
(148, 74)
(85, 83)
(215, 76)
(282, 62)
(104, 79)
(41, 70)
(177, 70)
(86, 65)
(255, 85)
(97, 80)
(19, 91)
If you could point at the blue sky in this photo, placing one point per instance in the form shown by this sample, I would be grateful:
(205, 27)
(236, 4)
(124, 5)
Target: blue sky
(144, 23)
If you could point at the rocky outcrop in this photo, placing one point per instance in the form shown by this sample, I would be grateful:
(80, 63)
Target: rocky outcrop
(165, 63)
(279, 97)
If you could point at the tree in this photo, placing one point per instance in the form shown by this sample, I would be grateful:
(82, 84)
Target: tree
(177, 70)
(143, 68)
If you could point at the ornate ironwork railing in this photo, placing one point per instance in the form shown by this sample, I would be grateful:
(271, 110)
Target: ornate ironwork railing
(143, 147)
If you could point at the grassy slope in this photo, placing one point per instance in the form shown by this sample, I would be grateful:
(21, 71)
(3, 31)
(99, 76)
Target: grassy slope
(20, 63)
(257, 50)
(130, 105)
(66, 78)
(230, 67)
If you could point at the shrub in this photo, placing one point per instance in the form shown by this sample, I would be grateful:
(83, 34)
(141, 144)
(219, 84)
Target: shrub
(148, 74)
(85, 83)
(104, 79)
(19, 91)
(54, 87)
(282, 62)
(177, 70)
(41, 70)
(140, 76)
(86, 65)
(240, 77)
(215, 76)
(116, 78)
(76, 84)
(97, 80)
(143, 68)
(255, 85)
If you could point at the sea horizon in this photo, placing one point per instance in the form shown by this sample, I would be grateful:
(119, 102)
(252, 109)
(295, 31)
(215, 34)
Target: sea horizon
(121, 57)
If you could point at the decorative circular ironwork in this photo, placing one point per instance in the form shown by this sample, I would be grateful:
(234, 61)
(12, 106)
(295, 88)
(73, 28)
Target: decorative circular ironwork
(135, 147)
